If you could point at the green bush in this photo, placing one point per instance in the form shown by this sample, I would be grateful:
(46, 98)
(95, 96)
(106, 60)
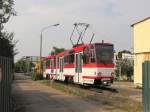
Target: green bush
(37, 76)
(126, 67)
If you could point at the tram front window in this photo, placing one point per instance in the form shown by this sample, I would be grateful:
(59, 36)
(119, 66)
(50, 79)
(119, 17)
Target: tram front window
(104, 53)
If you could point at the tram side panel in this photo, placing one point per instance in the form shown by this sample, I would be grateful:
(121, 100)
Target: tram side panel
(81, 73)
(88, 75)
(103, 76)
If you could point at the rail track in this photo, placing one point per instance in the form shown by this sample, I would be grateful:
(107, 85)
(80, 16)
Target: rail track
(90, 87)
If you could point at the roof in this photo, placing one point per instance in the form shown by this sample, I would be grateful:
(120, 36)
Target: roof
(140, 21)
(75, 49)
(60, 54)
(51, 57)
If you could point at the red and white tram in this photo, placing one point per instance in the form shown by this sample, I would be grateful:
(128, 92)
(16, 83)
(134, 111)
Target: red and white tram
(83, 64)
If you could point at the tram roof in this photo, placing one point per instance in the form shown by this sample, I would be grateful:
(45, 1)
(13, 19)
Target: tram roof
(76, 49)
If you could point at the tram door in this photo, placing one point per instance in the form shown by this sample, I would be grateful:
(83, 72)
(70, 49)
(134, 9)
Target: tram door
(61, 68)
(78, 67)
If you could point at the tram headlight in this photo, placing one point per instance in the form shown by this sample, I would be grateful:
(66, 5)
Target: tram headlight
(112, 74)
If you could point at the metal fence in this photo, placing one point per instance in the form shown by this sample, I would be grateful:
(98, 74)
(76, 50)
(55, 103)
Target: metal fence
(146, 86)
(5, 84)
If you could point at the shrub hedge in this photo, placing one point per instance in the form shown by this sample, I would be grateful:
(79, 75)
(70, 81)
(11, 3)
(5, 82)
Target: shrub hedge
(37, 76)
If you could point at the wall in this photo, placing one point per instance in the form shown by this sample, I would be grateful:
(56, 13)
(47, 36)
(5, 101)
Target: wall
(138, 60)
(142, 37)
(141, 48)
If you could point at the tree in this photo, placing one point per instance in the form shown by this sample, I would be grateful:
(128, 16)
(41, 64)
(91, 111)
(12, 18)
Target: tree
(7, 45)
(123, 51)
(21, 66)
(57, 50)
(126, 67)
(7, 7)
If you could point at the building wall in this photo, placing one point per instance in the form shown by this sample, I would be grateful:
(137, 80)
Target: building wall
(138, 61)
(142, 37)
(141, 48)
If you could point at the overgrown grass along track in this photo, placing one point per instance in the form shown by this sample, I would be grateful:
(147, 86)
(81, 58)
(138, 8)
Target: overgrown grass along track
(103, 96)
(87, 87)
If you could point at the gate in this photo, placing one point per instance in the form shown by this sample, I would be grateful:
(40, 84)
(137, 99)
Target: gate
(146, 86)
(5, 84)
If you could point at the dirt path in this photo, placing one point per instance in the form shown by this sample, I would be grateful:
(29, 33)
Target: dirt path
(128, 87)
(35, 97)
(32, 96)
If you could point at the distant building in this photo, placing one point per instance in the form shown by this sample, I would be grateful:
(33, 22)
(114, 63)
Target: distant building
(127, 56)
(115, 57)
(31, 58)
(33, 63)
(141, 32)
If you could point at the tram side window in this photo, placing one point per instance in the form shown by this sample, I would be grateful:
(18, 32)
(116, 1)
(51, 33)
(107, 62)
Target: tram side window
(86, 56)
(76, 70)
(93, 58)
(80, 63)
(66, 60)
(52, 66)
(71, 58)
(61, 65)
(58, 62)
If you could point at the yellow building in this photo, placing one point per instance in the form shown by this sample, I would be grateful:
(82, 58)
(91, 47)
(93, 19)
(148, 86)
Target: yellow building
(141, 32)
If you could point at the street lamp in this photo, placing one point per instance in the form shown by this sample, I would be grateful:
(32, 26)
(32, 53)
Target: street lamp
(41, 40)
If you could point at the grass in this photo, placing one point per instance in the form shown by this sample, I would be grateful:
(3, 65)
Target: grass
(127, 104)
(65, 88)
(120, 101)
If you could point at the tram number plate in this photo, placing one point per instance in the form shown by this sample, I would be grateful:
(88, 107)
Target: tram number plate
(91, 81)
(105, 79)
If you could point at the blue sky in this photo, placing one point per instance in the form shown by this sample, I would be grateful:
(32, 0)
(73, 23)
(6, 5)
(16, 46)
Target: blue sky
(109, 19)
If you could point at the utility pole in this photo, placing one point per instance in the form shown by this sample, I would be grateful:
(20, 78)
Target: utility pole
(41, 41)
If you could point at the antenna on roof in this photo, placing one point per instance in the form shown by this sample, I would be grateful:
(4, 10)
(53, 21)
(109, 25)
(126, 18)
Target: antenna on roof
(92, 38)
(87, 25)
(81, 29)
(72, 35)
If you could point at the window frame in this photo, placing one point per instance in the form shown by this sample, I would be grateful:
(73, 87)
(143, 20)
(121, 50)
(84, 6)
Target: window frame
(86, 56)
(92, 53)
